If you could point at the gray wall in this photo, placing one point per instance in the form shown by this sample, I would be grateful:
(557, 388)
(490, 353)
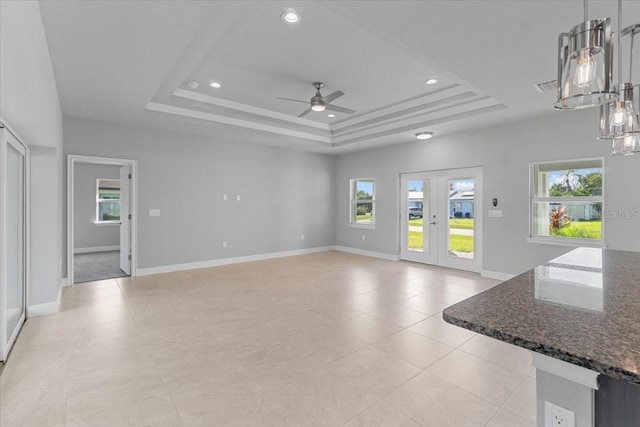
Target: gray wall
(29, 103)
(504, 153)
(284, 193)
(87, 234)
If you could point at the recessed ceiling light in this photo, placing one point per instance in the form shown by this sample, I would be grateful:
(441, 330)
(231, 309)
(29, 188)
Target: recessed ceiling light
(424, 135)
(193, 85)
(431, 81)
(214, 84)
(290, 16)
(331, 115)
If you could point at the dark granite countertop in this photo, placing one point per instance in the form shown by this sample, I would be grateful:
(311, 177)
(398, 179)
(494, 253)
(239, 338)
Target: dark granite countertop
(582, 307)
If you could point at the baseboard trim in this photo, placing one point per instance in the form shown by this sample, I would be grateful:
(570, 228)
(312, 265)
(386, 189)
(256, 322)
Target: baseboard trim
(46, 308)
(96, 249)
(496, 275)
(372, 254)
(228, 261)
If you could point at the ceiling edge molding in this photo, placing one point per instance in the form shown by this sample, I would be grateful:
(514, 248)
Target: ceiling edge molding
(427, 123)
(185, 112)
(244, 108)
(428, 108)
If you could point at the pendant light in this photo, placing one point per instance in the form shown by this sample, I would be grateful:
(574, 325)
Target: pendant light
(619, 119)
(585, 62)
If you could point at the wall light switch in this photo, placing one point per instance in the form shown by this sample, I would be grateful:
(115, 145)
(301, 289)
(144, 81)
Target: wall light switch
(154, 212)
(238, 198)
(224, 197)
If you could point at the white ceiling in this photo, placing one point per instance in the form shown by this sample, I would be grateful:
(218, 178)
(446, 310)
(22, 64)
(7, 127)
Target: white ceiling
(128, 61)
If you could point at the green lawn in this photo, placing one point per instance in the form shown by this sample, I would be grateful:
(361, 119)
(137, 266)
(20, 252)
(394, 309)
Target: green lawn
(457, 242)
(460, 243)
(415, 240)
(365, 217)
(581, 229)
(460, 223)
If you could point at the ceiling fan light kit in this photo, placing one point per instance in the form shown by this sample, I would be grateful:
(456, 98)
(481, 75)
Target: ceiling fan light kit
(320, 103)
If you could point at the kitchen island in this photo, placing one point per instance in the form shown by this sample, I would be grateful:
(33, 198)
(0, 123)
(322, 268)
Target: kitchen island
(579, 315)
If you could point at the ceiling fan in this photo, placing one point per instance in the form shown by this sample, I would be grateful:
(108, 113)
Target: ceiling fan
(321, 103)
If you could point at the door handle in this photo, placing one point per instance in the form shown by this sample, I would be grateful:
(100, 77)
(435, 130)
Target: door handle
(433, 223)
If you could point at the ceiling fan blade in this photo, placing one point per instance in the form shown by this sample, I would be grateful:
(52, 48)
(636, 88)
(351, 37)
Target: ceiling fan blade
(305, 112)
(340, 109)
(294, 100)
(332, 96)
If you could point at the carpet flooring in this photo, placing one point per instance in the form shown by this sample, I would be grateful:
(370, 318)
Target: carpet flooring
(97, 266)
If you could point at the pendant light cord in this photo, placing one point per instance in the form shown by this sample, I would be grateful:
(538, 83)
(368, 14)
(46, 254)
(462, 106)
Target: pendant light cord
(586, 10)
(619, 41)
(633, 33)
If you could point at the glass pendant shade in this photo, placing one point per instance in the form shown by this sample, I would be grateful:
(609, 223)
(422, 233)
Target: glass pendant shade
(619, 119)
(585, 65)
(625, 145)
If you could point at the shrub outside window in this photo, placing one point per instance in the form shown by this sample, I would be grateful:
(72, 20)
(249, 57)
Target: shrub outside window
(567, 202)
(363, 202)
(107, 201)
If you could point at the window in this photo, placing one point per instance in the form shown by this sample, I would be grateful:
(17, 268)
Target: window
(363, 202)
(566, 202)
(107, 201)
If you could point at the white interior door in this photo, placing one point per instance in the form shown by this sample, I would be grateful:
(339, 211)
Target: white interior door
(441, 218)
(13, 241)
(125, 219)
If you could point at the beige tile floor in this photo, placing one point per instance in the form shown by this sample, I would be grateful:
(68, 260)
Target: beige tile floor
(327, 339)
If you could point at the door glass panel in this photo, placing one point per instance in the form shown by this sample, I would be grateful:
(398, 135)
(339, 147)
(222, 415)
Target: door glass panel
(461, 218)
(417, 203)
(15, 240)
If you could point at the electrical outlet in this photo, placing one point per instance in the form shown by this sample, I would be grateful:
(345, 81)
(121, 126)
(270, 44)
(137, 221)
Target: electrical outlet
(224, 197)
(364, 237)
(556, 416)
(302, 237)
(224, 243)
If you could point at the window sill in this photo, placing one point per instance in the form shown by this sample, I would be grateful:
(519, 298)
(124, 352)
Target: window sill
(103, 223)
(576, 243)
(363, 226)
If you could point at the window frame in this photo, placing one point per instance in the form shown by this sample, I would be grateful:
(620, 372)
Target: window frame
(353, 202)
(560, 240)
(97, 220)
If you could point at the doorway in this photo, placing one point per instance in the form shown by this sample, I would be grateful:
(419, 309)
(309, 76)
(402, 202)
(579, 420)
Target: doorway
(100, 218)
(13, 239)
(441, 218)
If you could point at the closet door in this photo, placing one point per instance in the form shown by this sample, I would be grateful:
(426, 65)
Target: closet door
(12, 240)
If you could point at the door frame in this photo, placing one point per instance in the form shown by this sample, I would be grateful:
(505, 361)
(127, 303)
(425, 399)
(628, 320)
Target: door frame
(26, 247)
(442, 212)
(72, 159)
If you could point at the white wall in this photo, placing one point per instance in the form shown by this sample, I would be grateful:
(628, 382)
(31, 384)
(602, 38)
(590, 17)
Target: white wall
(87, 234)
(504, 153)
(284, 193)
(29, 103)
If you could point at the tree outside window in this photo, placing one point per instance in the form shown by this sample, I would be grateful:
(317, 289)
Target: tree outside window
(363, 202)
(567, 199)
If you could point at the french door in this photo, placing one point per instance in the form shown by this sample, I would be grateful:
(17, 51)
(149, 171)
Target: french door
(441, 218)
(12, 240)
